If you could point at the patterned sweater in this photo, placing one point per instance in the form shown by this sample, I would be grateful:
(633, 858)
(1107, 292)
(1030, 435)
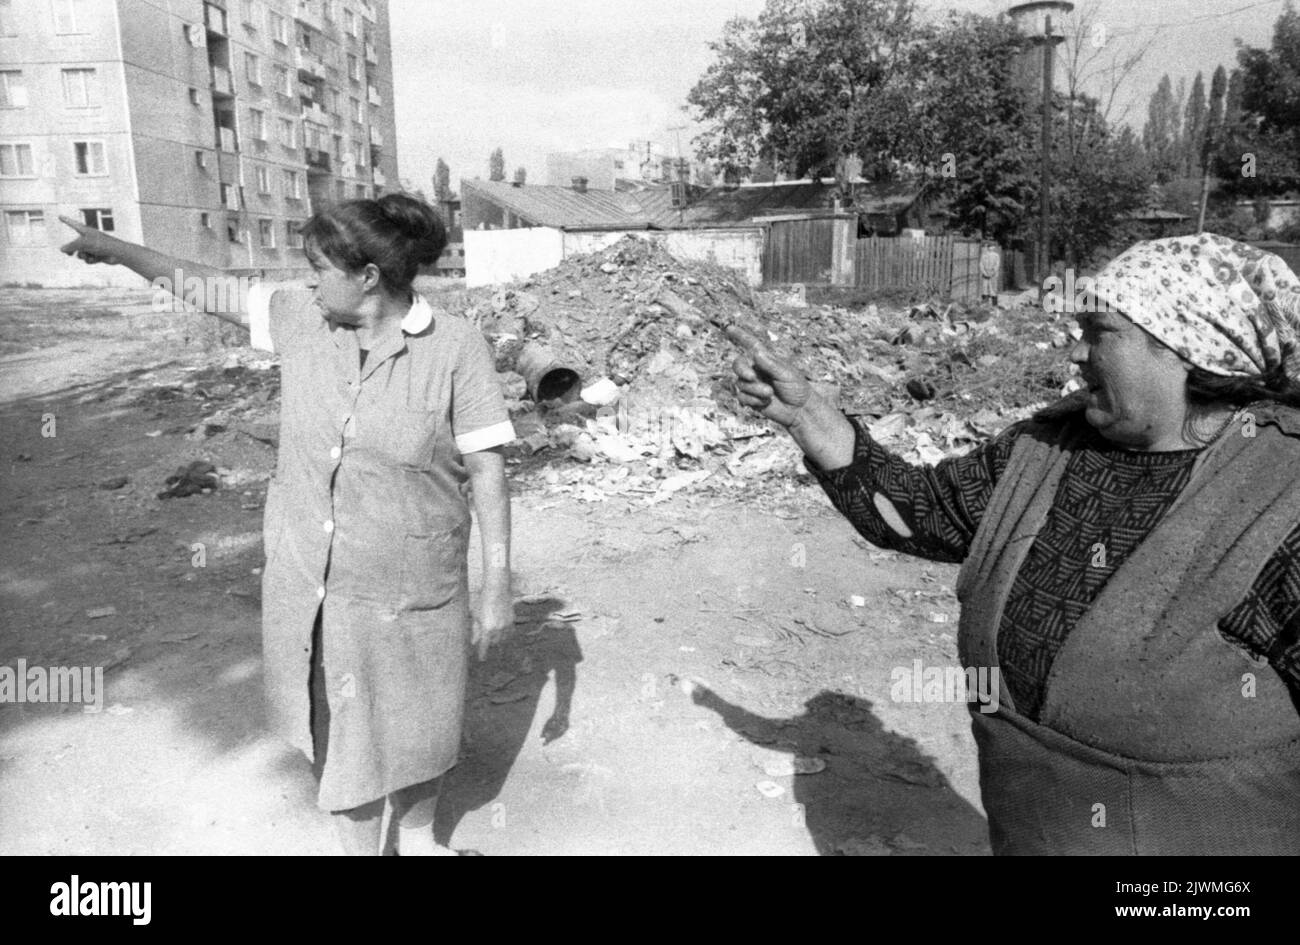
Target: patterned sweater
(1109, 497)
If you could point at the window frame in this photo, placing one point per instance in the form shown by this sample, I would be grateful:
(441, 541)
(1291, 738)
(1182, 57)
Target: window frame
(31, 160)
(265, 228)
(76, 9)
(27, 212)
(89, 86)
(7, 89)
(103, 152)
(102, 214)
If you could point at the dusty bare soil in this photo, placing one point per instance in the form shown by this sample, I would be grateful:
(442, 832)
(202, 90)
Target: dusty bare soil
(581, 736)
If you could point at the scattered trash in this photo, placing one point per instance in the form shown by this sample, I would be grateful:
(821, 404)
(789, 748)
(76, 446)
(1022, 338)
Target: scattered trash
(97, 612)
(198, 478)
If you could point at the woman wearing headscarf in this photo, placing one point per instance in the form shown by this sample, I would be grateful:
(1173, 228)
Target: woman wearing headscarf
(391, 419)
(1130, 561)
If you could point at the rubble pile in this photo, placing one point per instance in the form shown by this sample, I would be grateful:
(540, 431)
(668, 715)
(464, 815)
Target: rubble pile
(651, 410)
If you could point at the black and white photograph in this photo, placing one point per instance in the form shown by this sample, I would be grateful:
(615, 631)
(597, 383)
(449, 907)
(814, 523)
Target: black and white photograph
(861, 428)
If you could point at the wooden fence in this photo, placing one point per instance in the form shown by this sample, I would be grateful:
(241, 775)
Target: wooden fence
(799, 251)
(941, 265)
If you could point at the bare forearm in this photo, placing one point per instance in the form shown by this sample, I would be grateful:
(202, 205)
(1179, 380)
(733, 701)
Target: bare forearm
(491, 498)
(175, 275)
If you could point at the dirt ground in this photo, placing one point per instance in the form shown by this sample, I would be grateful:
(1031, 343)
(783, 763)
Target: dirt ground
(581, 736)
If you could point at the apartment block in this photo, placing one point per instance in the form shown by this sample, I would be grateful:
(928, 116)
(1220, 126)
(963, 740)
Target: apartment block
(209, 130)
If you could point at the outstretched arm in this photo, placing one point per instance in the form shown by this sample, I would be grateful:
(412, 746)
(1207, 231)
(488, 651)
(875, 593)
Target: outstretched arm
(93, 246)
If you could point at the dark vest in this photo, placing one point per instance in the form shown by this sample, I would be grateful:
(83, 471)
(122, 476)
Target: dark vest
(1157, 735)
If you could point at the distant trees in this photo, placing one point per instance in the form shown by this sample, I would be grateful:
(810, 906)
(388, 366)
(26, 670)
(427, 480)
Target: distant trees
(441, 181)
(521, 175)
(497, 165)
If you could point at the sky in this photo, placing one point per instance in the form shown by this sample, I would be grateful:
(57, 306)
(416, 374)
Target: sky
(536, 76)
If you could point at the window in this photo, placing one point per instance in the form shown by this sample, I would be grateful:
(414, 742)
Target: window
(341, 189)
(252, 13)
(360, 151)
(25, 227)
(205, 220)
(89, 158)
(7, 19)
(354, 73)
(16, 160)
(279, 28)
(293, 234)
(361, 191)
(291, 185)
(201, 158)
(229, 197)
(70, 16)
(338, 149)
(314, 135)
(349, 22)
(263, 179)
(194, 96)
(282, 81)
(252, 69)
(232, 231)
(287, 136)
(100, 219)
(13, 93)
(358, 110)
(80, 88)
(257, 119)
(266, 233)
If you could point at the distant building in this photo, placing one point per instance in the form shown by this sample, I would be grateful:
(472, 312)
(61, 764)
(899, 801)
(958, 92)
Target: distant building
(638, 165)
(209, 129)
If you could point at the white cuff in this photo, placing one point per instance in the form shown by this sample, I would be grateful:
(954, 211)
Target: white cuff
(475, 441)
(259, 316)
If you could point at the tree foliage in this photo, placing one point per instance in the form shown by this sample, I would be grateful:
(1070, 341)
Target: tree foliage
(441, 181)
(497, 165)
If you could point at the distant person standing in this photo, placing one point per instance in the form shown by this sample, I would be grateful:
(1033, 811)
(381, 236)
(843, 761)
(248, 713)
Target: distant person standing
(990, 272)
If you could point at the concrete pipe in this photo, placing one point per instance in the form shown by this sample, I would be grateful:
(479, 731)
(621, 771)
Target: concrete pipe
(546, 376)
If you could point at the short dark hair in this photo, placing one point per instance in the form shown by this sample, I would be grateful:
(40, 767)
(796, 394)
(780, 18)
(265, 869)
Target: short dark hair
(397, 232)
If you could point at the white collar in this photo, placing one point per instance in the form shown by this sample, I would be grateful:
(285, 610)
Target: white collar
(419, 317)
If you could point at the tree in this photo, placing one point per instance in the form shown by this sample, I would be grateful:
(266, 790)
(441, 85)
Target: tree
(1099, 178)
(521, 175)
(973, 125)
(1261, 156)
(1095, 59)
(1162, 133)
(804, 86)
(441, 181)
(1194, 128)
(1213, 127)
(497, 166)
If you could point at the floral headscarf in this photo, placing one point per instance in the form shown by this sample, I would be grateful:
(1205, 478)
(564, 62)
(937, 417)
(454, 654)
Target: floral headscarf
(1222, 305)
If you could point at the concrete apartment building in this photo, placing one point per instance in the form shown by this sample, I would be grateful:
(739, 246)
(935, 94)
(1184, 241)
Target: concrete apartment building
(209, 129)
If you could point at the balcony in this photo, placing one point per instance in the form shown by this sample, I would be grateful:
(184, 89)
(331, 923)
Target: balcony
(306, 15)
(376, 138)
(226, 140)
(214, 18)
(371, 55)
(318, 161)
(308, 63)
(346, 164)
(221, 83)
(311, 111)
(373, 96)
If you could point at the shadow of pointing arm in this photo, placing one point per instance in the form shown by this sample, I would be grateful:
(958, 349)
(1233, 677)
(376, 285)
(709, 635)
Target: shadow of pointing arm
(739, 720)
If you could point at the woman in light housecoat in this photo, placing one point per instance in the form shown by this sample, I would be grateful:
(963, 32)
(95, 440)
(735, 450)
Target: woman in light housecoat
(391, 419)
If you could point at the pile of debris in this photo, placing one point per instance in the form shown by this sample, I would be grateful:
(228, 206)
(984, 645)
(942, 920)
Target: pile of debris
(618, 359)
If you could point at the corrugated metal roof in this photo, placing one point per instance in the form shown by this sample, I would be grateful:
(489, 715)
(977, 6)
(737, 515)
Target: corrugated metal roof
(544, 205)
(718, 206)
